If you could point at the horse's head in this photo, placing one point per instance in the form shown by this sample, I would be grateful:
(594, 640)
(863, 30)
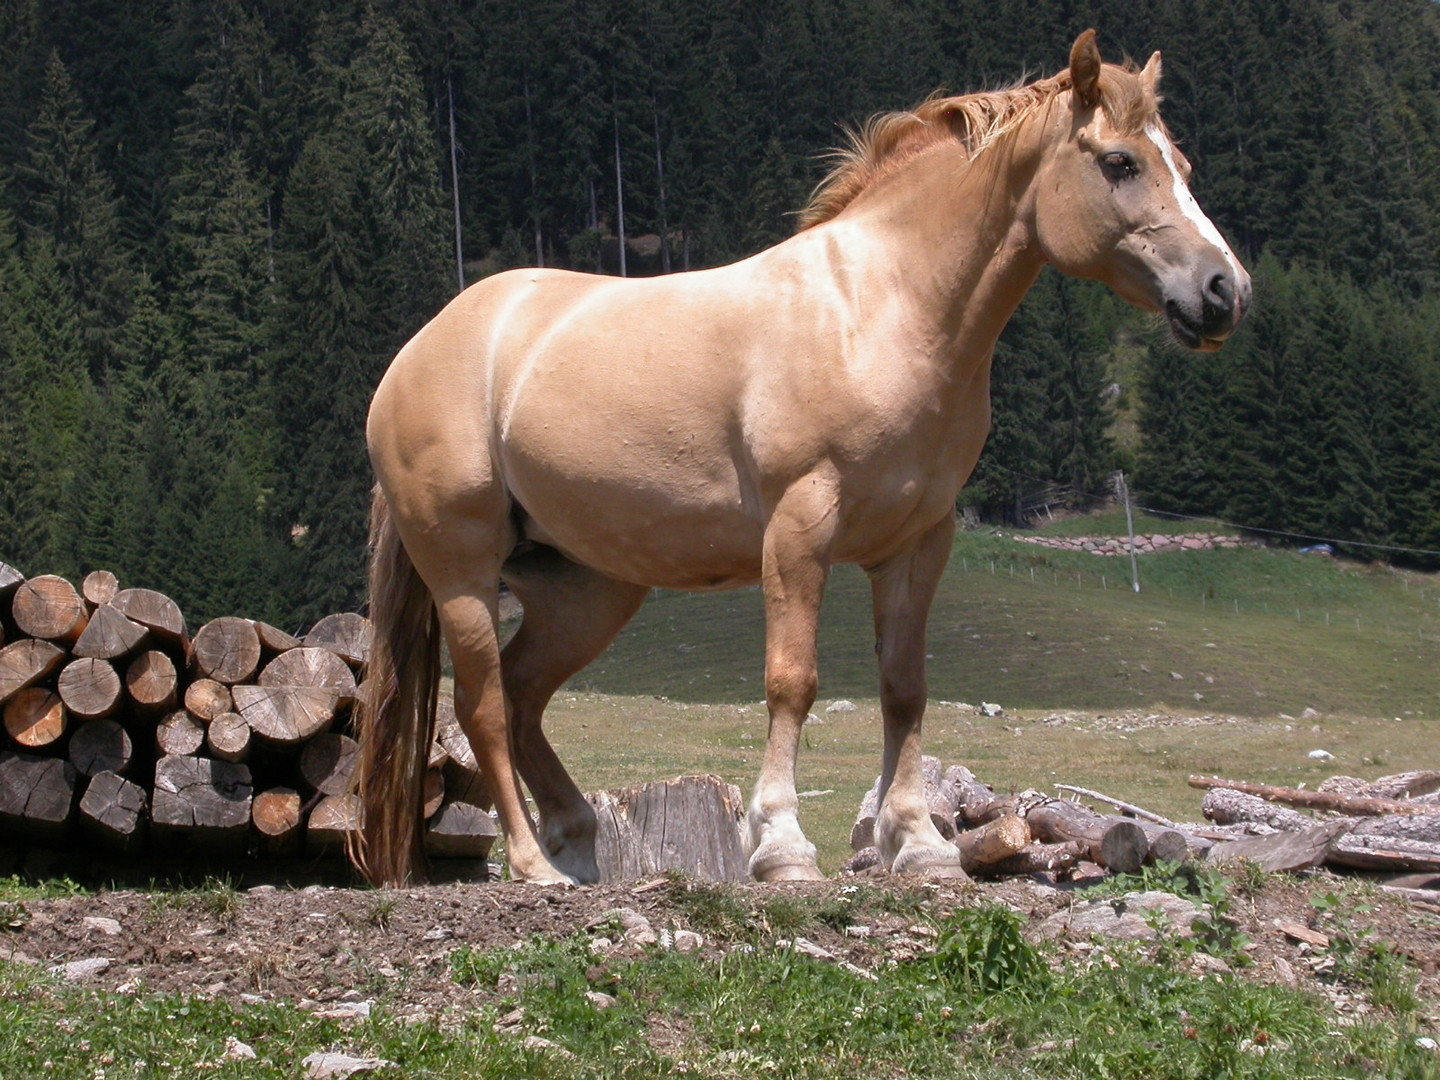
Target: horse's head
(1113, 202)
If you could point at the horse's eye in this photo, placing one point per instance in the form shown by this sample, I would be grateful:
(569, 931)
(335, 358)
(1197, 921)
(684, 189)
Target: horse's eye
(1119, 165)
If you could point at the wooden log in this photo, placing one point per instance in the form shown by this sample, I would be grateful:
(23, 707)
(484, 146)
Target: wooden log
(438, 757)
(115, 814)
(1225, 806)
(100, 746)
(154, 611)
(940, 798)
(333, 817)
(229, 738)
(1281, 852)
(975, 802)
(179, 734)
(49, 608)
(992, 842)
(90, 688)
(227, 650)
(466, 785)
(37, 796)
(1058, 821)
(1037, 859)
(10, 580)
(1357, 806)
(151, 682)
(464, 782)
(347, 635)
(206, 699)
(1392, 853)
(1424, 828)
(201, 806)
(691, 823)
(1168, 845)
(1126, 808)
(109, 635)
(99, 588)
(307, 666)
(36, 717)
(25, 662)
(278, 821)
(460, 830)
(434, 793)
(273, 639)
(328, 763)
(286, 715)
(1406, 785)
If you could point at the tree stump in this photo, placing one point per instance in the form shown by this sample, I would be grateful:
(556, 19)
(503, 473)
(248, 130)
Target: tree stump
(328, 763)
(99, 588)
(109, 635)
(229, 738)
(691, 823)
(91, 689)
(460, 830)
(114, 813)
(37, 796)
(179, 734)
(206, 699)
(201, 806)
(277, 819)
(35, 718)
(151, 682)
(100, 746)
(49, 608)
(227, 650)
(154, 611)
(347, 635)
(24, 663)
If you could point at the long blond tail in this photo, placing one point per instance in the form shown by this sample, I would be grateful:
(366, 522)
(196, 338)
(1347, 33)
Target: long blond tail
(395, 716)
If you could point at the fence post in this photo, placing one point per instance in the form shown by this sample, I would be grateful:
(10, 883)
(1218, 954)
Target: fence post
(1130, 527)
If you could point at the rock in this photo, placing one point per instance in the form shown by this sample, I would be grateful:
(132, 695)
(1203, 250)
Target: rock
(1321, 755)
(337, 1066)
(989, 708)
(235, 1050)
(599, 1000)
(1126, 918)
(535, 1042)
(841, 706)
(1310, 714)
(109, 927)
(687, 941)
(80, 970)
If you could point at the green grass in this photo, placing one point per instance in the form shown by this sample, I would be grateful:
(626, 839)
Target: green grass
(1253, 632)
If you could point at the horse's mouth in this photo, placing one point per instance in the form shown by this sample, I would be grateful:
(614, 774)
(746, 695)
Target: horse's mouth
(1187, 330)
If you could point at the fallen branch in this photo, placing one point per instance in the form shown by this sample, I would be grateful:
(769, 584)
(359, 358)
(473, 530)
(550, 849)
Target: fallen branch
(1316, 800)
(1123, 807)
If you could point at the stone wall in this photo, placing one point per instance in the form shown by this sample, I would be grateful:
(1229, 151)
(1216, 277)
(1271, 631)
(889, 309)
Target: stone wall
(1145, 543)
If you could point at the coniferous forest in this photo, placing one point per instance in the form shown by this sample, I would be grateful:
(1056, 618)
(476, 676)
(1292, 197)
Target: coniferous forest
(219, 219)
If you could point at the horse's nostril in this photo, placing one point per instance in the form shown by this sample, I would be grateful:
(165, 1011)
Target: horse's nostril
(1220, 292)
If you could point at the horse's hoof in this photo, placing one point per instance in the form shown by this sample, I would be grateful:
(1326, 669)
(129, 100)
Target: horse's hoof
(785, 864)
(930, 862)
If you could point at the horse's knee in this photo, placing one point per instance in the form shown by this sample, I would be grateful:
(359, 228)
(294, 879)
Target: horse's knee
(903, 694)
(791, 687)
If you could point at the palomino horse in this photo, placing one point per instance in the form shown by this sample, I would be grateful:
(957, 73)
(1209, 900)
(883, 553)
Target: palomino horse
(586, 439)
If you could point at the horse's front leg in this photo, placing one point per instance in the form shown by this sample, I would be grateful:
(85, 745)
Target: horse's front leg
(795, 567)
(902, 589)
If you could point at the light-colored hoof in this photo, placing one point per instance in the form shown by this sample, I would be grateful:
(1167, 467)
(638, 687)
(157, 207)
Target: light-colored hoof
(785, 864)
(930, 862)
(579, 867)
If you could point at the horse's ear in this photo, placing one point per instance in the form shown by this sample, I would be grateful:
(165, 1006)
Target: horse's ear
(1150, 77)
(1085, 70)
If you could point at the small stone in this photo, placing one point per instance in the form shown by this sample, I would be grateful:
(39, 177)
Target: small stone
(235, 1050)
(841, 706)
(79, 970)
(687, 942)
(100, 924)
(338, 1066)
(599, 1000)
(1310, 714)
(1177, 676)
(1321, 755)
(346, 1010)
(535, 1042)
(989, 708)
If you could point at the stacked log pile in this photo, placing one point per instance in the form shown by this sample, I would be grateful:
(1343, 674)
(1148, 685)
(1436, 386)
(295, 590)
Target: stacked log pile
(1387, 825)
(126, 734)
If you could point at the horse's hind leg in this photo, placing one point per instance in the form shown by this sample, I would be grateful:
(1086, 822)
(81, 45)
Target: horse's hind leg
(902, 591)
(571, 614)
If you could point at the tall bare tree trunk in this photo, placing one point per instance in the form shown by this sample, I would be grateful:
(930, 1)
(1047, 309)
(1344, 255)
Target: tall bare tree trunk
(619, 198)
(455, 186)
(660, 177)
(534, 175)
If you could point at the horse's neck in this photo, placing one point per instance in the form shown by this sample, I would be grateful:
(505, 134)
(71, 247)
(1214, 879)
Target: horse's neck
(963, 244)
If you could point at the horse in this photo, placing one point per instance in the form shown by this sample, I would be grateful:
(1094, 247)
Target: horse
(587, 438)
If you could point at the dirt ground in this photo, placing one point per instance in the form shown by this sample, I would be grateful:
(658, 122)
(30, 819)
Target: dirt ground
(335, 950)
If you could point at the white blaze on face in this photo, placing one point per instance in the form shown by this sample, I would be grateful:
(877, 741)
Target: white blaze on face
(1189, 207)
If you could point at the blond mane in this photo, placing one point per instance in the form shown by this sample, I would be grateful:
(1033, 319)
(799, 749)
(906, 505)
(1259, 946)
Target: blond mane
(976, 121)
